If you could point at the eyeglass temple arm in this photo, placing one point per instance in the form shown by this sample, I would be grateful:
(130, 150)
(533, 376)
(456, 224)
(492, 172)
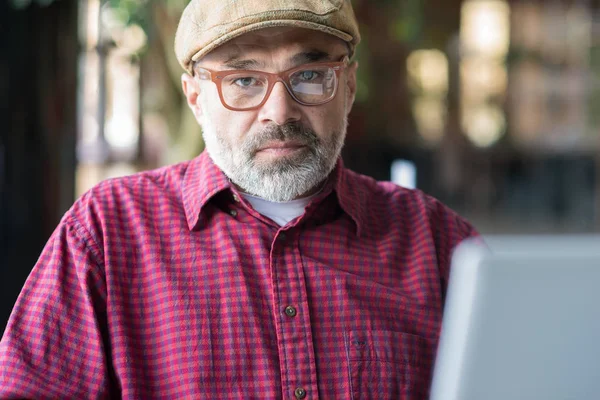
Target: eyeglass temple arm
(203, 74)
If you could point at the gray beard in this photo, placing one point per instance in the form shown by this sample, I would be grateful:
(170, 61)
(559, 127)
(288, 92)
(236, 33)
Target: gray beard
(286, 178)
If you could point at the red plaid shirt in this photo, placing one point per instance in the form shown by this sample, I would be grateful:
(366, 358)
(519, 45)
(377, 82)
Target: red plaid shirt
(167, 284)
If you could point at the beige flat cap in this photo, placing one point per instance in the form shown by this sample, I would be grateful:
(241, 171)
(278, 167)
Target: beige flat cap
(207, 24)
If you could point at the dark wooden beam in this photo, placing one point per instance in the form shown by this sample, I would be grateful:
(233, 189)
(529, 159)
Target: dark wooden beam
(38, 94)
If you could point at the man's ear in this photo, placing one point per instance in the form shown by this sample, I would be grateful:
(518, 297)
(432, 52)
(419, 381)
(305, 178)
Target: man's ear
(191, 90)
(351, 84)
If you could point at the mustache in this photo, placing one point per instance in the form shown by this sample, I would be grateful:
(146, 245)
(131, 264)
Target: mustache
(287, 132)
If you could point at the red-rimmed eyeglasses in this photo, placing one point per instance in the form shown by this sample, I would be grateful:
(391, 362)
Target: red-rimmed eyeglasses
(243, 90)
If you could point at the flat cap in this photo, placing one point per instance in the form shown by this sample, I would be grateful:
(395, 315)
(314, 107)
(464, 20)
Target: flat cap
(207, 24)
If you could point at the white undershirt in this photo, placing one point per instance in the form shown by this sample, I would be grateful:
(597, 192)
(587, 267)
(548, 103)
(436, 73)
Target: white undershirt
(281, 213)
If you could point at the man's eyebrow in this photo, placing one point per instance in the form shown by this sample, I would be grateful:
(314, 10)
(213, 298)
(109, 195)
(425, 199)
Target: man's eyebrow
(310, 57)
(235, 62)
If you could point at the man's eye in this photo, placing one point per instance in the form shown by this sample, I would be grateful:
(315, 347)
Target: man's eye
(245, 82)
(309, 75)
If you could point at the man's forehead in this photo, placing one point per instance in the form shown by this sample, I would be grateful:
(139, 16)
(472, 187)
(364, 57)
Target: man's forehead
(296, 44)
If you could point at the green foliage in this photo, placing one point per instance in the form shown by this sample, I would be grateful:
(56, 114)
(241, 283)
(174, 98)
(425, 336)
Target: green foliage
(131, 11)
(138, 11)
(408, 26)
(364, 73)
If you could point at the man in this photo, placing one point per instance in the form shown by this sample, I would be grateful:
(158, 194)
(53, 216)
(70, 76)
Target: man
(261, 269)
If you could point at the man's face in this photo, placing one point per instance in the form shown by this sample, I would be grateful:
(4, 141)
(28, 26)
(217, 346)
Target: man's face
(283, 150)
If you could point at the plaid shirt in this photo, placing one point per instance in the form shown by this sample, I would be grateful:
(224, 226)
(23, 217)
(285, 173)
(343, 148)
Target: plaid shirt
(167, 284)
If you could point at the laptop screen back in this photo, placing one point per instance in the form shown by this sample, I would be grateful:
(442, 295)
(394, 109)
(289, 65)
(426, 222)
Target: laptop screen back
(522, 321)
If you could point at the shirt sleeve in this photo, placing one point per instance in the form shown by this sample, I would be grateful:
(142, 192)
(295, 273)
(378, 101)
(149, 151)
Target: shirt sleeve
(449, 230)
(54, 345)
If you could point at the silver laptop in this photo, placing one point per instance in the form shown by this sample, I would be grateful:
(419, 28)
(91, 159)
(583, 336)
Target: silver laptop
(521, 321)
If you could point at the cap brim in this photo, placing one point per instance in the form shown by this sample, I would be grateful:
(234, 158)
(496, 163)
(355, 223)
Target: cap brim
(262, 25)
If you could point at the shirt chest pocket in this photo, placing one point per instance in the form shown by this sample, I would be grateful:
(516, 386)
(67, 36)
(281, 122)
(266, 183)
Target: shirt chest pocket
(387, 365)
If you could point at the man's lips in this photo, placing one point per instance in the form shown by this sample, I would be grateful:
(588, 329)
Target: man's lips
(281, 147)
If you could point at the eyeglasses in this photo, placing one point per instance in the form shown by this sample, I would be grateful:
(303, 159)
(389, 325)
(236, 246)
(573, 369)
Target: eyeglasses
(243, 90)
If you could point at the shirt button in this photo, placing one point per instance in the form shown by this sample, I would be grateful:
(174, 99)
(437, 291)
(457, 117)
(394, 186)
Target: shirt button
(236, 198)
(300, 393)
(290, 311)
(233, 213)
(282, 236)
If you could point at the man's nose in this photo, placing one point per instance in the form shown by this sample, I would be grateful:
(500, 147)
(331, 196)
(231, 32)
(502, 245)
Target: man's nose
(280, 107)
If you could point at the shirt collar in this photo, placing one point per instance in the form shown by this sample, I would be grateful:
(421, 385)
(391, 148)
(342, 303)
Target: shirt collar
(351, 194)
(203, 180)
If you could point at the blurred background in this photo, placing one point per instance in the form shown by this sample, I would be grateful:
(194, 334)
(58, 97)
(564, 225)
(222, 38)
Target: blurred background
(492, 106)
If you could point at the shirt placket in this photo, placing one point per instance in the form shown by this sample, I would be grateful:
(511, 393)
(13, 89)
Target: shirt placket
(294, 337)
